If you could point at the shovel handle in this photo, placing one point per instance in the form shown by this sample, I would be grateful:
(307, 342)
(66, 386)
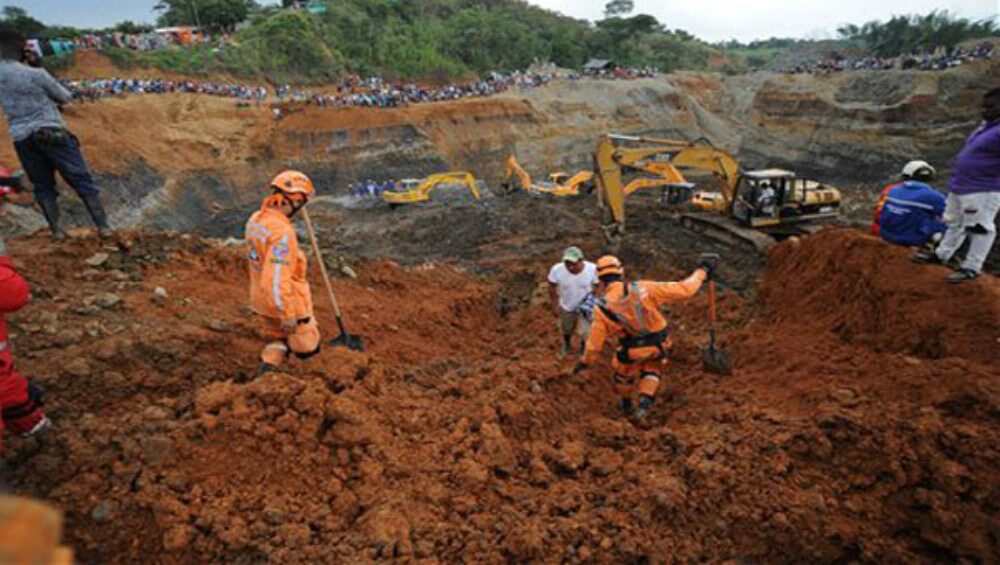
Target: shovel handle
(322, 268)
(711, 304)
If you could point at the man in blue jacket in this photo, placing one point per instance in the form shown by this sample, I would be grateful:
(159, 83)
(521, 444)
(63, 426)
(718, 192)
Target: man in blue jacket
(910, 211)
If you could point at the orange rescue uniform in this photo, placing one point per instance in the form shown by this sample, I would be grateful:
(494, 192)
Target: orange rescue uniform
(279, 289)
(638, 313)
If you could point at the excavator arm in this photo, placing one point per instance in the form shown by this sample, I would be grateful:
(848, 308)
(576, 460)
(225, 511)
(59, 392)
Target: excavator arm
(611, 160)
(422, 192)
(511, 169)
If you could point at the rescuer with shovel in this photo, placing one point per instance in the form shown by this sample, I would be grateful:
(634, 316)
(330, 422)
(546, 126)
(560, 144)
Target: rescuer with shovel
(629, 311)
(279, 291)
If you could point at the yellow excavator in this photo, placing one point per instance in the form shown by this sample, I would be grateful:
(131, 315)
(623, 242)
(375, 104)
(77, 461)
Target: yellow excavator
(560, 183)
(411, 191)
(751, 209)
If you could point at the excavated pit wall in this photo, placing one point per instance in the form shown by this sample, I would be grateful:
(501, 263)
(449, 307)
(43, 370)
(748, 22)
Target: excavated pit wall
(183, 162)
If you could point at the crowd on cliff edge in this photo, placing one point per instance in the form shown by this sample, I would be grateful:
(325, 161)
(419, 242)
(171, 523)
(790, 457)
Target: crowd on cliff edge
(938, 61)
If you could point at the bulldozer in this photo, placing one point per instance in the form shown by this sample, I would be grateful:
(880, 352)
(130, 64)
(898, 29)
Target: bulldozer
(560, 183)
(411, 191)
(752, 209)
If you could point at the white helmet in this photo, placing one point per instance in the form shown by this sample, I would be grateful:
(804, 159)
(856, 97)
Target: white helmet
(913, 168)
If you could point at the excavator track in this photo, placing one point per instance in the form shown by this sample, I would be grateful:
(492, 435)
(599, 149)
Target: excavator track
(727, 231)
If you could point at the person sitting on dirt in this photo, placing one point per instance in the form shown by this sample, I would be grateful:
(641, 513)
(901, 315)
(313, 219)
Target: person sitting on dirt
(279, 289)
(909, 212)
(31, 100)
(629, 311)
(20, 401)
(570, 281)
(974, 197)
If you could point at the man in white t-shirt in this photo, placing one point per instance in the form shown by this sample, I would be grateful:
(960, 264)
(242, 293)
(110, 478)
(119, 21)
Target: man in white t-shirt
(570, 281)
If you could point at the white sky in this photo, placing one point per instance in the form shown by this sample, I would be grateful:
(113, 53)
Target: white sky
(720, 20)
(712, 20)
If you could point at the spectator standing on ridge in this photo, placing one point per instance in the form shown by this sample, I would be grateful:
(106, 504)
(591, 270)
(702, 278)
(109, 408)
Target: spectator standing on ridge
(974, 198)
(31, 100)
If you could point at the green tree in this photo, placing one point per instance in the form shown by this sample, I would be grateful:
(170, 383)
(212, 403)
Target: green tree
(904, 34)
(16, 19)
(213, 15)
(618, 8)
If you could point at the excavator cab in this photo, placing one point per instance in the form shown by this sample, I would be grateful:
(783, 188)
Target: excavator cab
(771, 197)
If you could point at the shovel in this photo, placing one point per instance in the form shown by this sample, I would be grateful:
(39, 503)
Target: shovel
(345, 339)
(713, 358)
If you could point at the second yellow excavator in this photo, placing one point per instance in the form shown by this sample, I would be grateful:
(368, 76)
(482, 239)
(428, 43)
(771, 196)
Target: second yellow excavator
(419, 190)
(561, 183)
(751, 209)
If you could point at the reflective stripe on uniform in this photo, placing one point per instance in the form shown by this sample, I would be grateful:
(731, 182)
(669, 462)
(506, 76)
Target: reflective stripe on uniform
(277, 346)
(909, 203)
(254, 225)
(276, 284)
(3, 345)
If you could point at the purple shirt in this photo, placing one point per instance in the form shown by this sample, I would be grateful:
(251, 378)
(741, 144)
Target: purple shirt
(977, 165)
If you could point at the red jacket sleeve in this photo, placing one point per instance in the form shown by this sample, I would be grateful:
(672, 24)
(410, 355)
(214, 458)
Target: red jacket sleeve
(14, 293)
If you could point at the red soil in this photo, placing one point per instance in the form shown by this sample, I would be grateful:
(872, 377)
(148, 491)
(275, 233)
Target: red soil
(460, 436)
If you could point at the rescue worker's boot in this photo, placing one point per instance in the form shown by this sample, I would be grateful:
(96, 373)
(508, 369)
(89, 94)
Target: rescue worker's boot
(93, 204)
(645, 403)
(50, 209)
(266, 368)
(626, 406)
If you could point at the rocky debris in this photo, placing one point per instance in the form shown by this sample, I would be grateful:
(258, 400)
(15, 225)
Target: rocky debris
(159, 295)
(475, 445)
(97, 260)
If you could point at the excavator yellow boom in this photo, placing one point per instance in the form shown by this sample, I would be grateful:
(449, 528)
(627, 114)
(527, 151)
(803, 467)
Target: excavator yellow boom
(748, 202)
(422, 192)
(561, 184)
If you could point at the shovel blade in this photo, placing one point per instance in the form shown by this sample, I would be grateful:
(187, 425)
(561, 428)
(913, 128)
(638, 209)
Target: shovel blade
(717, 360)
(353, 342)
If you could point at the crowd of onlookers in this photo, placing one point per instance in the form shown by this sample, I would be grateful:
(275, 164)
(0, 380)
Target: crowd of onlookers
(371, 189)
(940, 60)
(377, 92)
(352, 91)
(93, 90)
(621, 73)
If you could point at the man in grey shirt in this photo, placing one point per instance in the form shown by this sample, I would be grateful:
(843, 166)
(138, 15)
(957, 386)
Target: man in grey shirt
(31, 99)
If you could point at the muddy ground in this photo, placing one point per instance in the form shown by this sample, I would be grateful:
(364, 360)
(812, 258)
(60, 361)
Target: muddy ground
(861, 424)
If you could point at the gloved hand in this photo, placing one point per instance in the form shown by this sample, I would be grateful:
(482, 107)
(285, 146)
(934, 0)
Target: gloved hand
(288, 326)
(579, 367)
(709, 262)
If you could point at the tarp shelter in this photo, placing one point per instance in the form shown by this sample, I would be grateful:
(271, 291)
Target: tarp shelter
(595, 66)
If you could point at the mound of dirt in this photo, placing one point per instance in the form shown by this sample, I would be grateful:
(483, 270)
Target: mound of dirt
(460, 435)
(868, 293)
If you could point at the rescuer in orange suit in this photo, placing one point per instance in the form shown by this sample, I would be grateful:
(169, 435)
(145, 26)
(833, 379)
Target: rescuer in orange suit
(629, 312)
(279, 291)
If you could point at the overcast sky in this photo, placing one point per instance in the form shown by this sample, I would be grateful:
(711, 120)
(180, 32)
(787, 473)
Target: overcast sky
(712, 20)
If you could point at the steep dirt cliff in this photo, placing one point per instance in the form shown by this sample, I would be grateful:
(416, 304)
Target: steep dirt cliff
(178, 161)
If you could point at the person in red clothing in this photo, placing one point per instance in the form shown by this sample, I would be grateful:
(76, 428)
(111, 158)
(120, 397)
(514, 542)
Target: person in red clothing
(20, 402)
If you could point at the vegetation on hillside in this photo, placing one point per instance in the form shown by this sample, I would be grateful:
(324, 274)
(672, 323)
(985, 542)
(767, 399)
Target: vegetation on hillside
(449, 38)
(906, 34)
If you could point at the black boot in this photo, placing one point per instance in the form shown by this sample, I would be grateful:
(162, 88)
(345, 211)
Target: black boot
(626, 406)
(645, 403)
(96, 209)
(50, 209)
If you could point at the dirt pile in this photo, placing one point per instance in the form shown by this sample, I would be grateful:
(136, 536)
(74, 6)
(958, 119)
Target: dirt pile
(868, 293)
(461, 436)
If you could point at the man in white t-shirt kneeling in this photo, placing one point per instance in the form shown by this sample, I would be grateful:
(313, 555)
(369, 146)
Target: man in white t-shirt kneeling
(570, 282)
